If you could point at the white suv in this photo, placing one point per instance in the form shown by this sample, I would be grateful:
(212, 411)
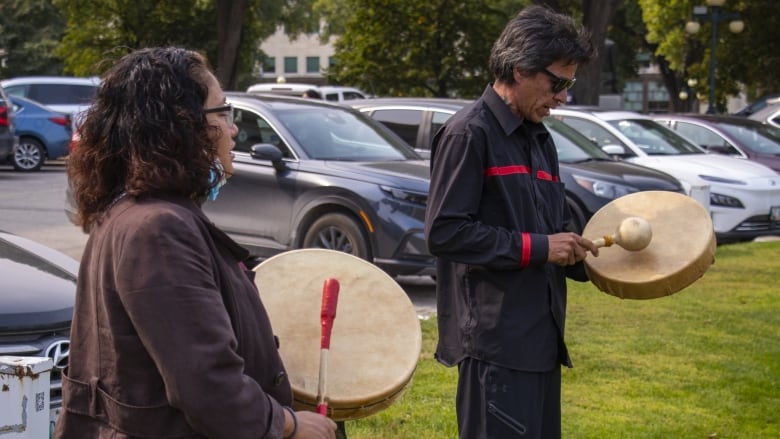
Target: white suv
(333, 93)
(66, 94)
(743, 196)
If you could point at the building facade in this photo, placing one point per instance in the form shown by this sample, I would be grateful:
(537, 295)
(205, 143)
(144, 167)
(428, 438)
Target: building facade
(303, 59)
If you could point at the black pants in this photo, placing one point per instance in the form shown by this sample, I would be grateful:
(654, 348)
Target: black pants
(498, 403)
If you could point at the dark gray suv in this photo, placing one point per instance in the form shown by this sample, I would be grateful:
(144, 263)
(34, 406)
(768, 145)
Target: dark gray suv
(37, 293)
(591, 177)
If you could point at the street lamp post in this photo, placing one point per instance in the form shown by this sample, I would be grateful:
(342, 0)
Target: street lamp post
(715, 14)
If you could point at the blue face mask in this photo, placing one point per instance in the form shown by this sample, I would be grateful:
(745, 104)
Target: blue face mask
(214, 192)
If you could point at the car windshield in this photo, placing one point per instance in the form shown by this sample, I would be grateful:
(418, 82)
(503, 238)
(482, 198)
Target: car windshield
(572, 147)
(759, 138)
(335, 134)
(655, 139)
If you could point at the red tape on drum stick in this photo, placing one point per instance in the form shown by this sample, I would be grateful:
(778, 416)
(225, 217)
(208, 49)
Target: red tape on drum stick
(330, 296)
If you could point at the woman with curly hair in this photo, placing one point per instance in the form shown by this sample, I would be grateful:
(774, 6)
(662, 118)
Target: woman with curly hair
(169, 336)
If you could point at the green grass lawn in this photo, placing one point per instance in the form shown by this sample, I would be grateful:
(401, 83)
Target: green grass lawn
(703, 363)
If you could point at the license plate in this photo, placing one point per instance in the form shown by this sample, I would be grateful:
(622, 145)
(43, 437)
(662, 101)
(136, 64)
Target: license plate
(774, 214)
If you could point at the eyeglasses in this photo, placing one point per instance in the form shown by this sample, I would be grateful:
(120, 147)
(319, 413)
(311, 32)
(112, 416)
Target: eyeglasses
(226, 109)
(559, 84)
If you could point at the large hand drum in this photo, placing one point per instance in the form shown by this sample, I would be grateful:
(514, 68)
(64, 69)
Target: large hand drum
(376, 338)
(680, 252)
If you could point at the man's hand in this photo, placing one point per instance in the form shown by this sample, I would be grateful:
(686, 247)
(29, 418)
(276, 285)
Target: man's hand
(569, 248)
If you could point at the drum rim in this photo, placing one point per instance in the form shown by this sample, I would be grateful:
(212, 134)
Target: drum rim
(683, 276)
(380, 397)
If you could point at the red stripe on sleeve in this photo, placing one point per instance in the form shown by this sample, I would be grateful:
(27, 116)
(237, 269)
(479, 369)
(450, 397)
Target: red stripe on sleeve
(525, 249)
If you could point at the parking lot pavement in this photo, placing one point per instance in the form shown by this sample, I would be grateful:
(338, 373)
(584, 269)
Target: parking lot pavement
(422, 291)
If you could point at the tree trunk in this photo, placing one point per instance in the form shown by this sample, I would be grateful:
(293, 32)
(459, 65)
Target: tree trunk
(230, 16)
(596, 16)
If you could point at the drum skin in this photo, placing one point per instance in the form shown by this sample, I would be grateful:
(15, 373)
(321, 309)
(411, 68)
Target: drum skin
(376, 338)
(681, 251)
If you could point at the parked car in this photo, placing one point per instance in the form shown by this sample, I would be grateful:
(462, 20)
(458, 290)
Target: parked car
(769, 115)
(415, 120)
(758, 104)
(37, 294)
(334, 93)
(65, 94)
(7, 135)
(743, 196)
(731, 135)
(44, 134)
(309, 173)
(592, 179)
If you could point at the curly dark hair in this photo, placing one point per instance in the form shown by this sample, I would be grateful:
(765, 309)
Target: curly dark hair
(146, 133)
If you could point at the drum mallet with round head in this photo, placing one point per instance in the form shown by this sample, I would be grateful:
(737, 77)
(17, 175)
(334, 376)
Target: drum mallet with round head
(330, 296)
(633, 233)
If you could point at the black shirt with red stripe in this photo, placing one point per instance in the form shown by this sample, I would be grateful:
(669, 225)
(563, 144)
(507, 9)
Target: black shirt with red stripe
(495, 195)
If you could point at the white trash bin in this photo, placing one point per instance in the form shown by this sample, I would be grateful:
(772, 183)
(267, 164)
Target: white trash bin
(24, 397)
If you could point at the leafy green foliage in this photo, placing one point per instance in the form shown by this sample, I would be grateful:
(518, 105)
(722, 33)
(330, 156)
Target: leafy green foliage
(30, 31)
(749, 58)
(436, 48)
(700, 363)
(99, 31)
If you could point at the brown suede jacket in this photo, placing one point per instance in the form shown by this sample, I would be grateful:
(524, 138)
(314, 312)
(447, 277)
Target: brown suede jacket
(169, 338)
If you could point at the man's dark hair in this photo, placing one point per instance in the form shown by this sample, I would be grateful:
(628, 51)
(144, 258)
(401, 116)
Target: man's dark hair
(535, 38)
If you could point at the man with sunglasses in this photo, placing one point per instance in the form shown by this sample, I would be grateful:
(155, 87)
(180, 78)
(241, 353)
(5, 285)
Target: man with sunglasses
(496, 220)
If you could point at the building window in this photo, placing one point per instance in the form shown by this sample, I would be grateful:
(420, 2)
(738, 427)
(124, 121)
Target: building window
(312, 64)
(633, 96)
(269, 65)
(331, 61)
(290, 64)
(646, 95)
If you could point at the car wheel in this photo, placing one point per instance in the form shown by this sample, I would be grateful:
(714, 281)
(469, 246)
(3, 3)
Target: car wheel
(336, 231)
(29, 155)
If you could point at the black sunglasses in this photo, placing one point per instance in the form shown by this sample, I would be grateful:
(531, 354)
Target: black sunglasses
(227, 109)
(559, 84)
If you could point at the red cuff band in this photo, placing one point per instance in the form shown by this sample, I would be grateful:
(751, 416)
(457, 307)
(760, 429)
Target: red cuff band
(525, 249)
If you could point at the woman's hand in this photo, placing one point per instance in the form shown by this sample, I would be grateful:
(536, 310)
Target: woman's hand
(314, 426)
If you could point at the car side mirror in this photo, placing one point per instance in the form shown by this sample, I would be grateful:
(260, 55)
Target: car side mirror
(614, 150)
(268, 151)
(718, 149)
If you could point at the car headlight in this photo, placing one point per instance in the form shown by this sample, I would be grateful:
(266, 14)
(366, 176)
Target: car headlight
(406, 195)
(722, 180)
(604, 189)
(717, 199)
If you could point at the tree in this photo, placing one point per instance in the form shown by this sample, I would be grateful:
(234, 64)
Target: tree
(752, 57)
(227, 31)
(30, 30)
(440, 48)
(431, 48)
(749, 59)
(99, 31)
(627, 31)
(597, 15)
